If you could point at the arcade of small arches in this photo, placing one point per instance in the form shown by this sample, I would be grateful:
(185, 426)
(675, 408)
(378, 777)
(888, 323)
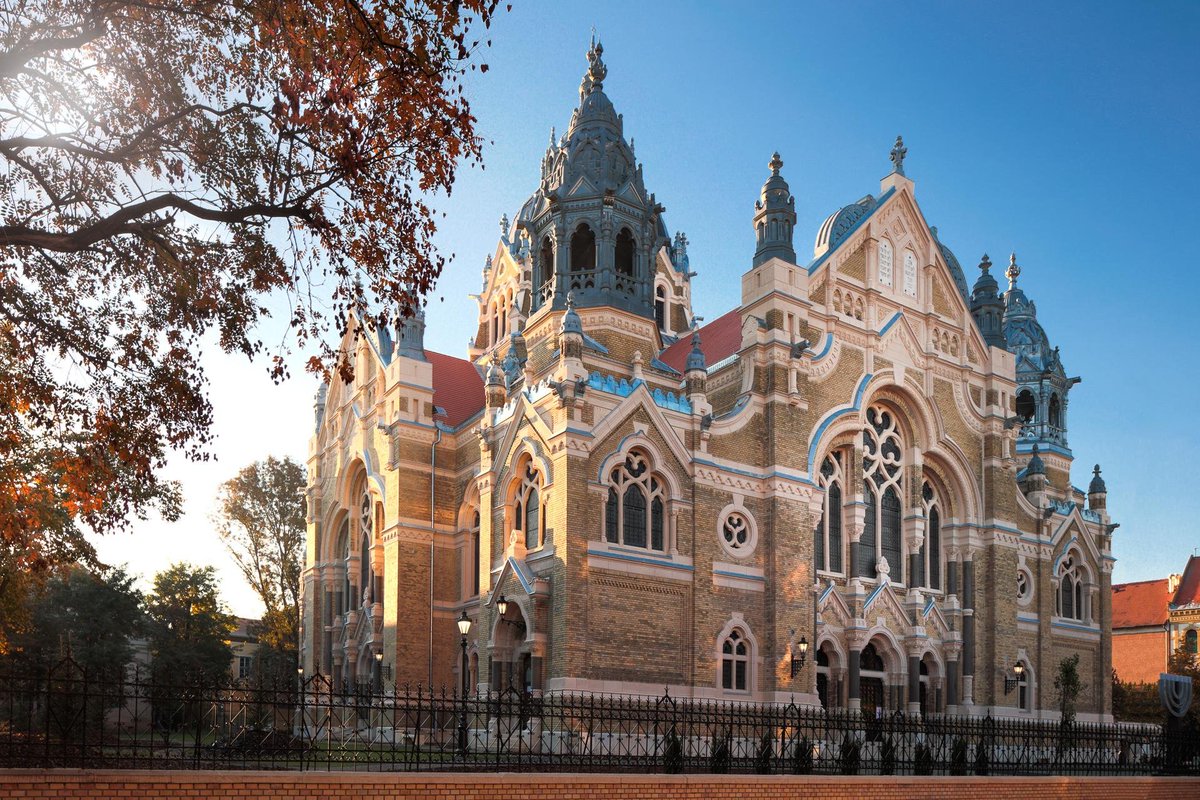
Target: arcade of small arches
(585, 253)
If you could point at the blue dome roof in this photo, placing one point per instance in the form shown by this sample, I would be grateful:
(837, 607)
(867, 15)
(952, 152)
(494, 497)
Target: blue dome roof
(956, 270)
(838, 225)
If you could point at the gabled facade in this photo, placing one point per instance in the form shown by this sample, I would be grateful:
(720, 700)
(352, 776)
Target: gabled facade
(838, 460)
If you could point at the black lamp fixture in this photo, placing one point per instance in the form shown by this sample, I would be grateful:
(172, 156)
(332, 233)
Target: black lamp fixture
(501, 605)
(1014, 681)
(464, 624)
(378, 656)
(798, 664)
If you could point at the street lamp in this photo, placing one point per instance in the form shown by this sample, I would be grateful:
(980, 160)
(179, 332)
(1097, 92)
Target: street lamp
(1015, 680)
(797, 665)
(464, 628)
(378, 672)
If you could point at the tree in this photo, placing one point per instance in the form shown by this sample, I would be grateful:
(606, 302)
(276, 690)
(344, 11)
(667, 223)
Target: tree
(166, 166)
(189, 628)
(1068, 685)
(261, 521)
(87, 616)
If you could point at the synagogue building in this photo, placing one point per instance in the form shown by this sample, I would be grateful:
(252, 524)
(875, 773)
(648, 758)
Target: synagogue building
(851, 489)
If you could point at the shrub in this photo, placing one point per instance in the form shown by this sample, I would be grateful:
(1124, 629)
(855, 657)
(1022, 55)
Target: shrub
(958, 757)
(718, 762)
(887, 764)
(923, 760)
(802, 757)
(850, 755)
(762, 760)
(673, 753)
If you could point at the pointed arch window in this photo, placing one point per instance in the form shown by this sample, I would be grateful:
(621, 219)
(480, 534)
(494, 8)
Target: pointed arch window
(635, 510)
(528, 511)
(828, 544)
(885, 262)
(910, 273)
(624, 253)
(930, 561)
(735, 661)
(546, 261)
(660, 307)
(366, 519)
(1054, 413)
(1071, 598)
(583, 249)
(1026, 406)
(476, 569)
(883, 485)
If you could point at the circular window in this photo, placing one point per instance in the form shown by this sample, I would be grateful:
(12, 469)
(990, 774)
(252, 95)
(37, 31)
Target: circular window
(1024, 587)
(737, 532)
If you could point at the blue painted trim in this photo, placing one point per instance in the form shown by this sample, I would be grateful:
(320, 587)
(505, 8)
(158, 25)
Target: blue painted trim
(1026, 618)
(829, 588)
(928, 608)
(871, 597)
(525, 584)
(739, 575)
(1070, 627)
(1044, 447)
(825, 347)
(1063, 554)
(855, 406)
(887, 325)
(798, 478)
(641, 559)
(878, 205)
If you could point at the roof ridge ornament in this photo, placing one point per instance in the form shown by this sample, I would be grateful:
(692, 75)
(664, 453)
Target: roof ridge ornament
(1013, 270)
(985, 264)
(899, 151)
(776, 163)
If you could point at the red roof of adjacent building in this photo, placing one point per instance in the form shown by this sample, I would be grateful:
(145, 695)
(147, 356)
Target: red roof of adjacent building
(719, 339)
(1188, 592)
(1141, 604)
(457, 388)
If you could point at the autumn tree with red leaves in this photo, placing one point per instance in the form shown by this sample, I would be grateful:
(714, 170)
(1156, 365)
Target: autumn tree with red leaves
(168, 166)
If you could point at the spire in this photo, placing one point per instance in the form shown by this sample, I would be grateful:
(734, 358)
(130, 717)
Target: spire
(1097, 485)
(899, 151)
(1013, 270)
(986, 306)
(571, 323)
(1036, 466)
(695, 359)
(412, 336)
(775, 217)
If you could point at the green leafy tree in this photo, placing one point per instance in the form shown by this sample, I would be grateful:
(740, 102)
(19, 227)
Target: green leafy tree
(1068, 686)
(189, 627)
(89, 617)
(261, 521)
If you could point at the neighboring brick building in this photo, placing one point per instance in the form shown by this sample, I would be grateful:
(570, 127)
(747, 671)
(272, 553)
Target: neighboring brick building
(1151, 619)
(864, 455)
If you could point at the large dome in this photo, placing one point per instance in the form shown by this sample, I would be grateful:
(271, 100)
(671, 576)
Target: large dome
(840, 223)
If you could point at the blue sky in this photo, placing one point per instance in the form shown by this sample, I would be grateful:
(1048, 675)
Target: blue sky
(1068, 132)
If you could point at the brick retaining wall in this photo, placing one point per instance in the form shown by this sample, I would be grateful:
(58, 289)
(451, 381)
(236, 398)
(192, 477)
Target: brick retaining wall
(120, 784)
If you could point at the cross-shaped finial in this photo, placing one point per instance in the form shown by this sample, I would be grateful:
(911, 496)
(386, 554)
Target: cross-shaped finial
(899, 151)
(776, 163)
(985, 264)
(1013, 270)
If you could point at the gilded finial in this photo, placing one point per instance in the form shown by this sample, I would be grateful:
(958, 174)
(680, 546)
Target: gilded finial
(1013, 270)
(899, 151)
(776, 163)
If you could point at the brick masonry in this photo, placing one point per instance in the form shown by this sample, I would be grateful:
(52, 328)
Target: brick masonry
(103, 785)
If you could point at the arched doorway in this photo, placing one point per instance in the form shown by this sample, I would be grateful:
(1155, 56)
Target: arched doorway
(871, 681)
(512, 663)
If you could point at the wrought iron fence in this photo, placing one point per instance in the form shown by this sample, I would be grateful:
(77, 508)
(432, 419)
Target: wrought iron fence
(65, 718)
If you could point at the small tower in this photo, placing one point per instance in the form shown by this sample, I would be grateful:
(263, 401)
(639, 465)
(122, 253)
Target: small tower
(774, 218)
(986, 306)
(695, 373)
(1042, 383)
(570, 346)
(1035, 479)
(1097, 492)
(493, 389)
(411, 342)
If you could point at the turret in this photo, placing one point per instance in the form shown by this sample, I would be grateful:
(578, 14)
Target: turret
(774, 218)
(411, 342)
(319, 405)
(1035, 479)
(494, 391)
(986, 306)
(695, 374)
(1097, 491)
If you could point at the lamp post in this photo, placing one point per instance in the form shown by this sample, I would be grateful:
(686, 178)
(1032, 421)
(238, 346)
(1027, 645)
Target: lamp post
(798, 665)
(300, 681)
(378, 672)
(1015, 680)
(464, 628)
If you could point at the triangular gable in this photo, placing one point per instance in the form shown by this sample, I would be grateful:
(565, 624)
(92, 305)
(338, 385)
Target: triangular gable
(521, 411)
(883, 600)
(641, 396)
(1073, 529)
(935, 621)
(832, 607)
(582, 186)
(630, 193)
(520, 572)
(897, 333)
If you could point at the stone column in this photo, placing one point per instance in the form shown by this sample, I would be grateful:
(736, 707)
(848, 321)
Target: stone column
(853, 685)
(952, 650)
(968, 656)
(914, 684)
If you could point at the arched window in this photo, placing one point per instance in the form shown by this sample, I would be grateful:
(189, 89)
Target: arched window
(660, 307)
(623, 253)
(366, 518)
(1070, 590)
(635, 511)
(1054, 413)
(735, 661)
(1026, 406)
(476, 569)
(1189, 642)
(545, 262)
(583, 249)
(828, 544)
(882, 488)
(343, 554)
(1024, 695)
(527, 512)
(910, 273)
(930, 561)
(885, 262)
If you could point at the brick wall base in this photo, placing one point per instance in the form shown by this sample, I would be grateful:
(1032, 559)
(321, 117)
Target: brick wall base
(102, 785)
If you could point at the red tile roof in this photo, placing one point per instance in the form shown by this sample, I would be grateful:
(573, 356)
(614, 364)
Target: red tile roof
(1188, 592)
(719, 339)
(457, 388)
(1141, 604)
